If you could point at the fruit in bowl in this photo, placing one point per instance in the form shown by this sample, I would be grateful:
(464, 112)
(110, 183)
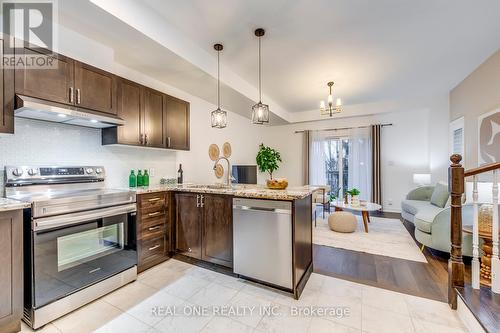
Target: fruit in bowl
(277, 183)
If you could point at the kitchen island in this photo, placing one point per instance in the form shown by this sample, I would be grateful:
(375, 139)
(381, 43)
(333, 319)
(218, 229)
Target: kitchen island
(201, 225)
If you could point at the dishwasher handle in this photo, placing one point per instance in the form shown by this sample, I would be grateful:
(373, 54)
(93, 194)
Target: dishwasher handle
(262, 209)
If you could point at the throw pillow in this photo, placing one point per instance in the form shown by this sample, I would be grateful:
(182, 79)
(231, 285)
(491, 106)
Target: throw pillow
(440, 195)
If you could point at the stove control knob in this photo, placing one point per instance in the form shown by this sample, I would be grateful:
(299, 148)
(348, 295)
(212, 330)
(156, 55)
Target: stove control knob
(32, 172)
(17, 172)
(98, 170)
(89, 170)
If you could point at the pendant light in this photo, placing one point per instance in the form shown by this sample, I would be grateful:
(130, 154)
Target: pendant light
(260, 111)
(218, 117)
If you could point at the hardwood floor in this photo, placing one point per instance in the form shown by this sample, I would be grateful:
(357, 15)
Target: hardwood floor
(484, 305)
(429, 280)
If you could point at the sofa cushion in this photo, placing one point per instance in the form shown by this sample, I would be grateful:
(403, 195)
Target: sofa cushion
(440, 195)
(412, 206)
(425, 217)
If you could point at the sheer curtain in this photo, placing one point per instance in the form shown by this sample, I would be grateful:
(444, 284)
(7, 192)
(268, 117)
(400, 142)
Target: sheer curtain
(360, 161)
(317, 158)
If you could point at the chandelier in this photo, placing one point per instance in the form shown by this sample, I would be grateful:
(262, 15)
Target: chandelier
(331, 109)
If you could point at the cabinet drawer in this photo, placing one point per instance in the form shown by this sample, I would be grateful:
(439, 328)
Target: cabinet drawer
(154, 247)
(153, 201)
(153, 230)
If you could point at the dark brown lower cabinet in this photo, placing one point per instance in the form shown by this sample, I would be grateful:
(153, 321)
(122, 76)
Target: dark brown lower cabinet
(204, 227)
(217, 230)
(188, 224)
(153, 229)
(11, 272)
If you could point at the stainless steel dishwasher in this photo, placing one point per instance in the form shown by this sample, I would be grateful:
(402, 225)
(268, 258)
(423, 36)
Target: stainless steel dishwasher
(262, 240)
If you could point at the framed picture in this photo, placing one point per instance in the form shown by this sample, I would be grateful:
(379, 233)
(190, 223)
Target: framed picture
(489, 137)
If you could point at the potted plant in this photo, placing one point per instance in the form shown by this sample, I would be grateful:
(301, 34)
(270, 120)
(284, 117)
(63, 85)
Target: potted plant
(354, 193)
(267, 160)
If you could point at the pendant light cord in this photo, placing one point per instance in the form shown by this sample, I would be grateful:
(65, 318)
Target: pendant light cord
(218, 80)
(260, 77)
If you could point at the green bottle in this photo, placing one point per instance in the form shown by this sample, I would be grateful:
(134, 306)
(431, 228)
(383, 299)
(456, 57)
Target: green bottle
(132, 179)
(145, 178)
(140, 179)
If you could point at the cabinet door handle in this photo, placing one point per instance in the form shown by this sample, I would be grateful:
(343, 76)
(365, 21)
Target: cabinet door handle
(154, 214)
(154, 199)
(71, 95)
(154, 228)
(168, 141)
(202, 201)
(145, 139)
(198, 201)
(78, 96)
(154, 247)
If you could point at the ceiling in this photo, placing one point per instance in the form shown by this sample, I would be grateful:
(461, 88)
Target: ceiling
(373, 50)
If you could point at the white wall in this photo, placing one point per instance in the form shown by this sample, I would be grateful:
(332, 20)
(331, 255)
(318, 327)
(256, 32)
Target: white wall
(43, 143)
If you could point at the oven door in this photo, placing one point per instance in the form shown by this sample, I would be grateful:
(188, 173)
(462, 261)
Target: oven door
(73, 251)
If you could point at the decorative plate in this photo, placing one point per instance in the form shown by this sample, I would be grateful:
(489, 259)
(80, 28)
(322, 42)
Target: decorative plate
(219, 171)
(226, 149)
(213, 152)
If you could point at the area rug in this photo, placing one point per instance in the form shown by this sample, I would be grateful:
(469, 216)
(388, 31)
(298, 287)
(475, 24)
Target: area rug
(386, 237)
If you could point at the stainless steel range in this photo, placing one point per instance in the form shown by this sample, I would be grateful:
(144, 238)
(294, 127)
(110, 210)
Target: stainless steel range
(79, 237)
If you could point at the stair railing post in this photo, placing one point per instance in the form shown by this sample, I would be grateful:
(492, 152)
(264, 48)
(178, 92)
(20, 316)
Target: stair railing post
(455, 264)
(495, 261)
(475, 237)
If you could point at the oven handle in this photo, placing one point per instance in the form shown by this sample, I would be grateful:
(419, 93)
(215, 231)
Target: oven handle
(77, 218)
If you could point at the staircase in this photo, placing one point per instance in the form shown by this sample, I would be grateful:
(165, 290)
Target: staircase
(482, 296)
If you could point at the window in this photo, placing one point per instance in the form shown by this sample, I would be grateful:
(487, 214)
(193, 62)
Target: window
(457, 137)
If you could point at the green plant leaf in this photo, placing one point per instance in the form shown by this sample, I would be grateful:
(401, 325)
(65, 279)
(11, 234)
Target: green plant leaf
(267, 159)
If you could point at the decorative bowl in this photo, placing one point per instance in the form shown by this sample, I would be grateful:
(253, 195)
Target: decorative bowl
(277, 184)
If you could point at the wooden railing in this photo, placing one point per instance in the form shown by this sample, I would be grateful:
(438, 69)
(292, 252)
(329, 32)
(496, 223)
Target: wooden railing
(456, 185)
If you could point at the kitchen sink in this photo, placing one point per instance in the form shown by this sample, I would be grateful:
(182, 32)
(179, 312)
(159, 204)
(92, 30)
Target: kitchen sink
(210, 186)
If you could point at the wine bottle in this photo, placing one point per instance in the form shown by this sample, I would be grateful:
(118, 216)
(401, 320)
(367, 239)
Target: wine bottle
(180, 174)
(145, 178)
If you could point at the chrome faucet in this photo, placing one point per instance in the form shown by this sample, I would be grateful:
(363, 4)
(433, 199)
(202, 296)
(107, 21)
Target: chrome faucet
(229, 176)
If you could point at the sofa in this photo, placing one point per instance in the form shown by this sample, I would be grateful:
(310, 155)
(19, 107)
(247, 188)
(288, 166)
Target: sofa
(432, 222)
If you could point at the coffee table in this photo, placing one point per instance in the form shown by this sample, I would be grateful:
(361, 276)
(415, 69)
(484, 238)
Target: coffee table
(365, 210)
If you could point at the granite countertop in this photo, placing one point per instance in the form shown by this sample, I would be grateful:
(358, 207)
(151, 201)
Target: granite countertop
(10, 204)
(238, 190)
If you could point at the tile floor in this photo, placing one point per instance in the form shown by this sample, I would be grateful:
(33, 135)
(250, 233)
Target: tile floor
(147, 305)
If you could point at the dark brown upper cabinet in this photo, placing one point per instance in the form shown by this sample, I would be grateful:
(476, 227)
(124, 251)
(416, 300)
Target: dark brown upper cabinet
(71, 82)
(6, 91)
(55, 85)
(129, 105)
(95, 89)
(153, 118)
(176, 123)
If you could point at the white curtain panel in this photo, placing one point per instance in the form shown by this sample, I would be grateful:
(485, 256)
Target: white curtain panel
(317, 158)
(360, 160)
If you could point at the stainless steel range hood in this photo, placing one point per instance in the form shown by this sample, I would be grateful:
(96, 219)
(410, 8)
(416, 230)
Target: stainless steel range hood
(34, 108)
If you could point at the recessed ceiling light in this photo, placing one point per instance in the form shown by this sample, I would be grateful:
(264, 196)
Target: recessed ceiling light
(93, 121)
(61, 115)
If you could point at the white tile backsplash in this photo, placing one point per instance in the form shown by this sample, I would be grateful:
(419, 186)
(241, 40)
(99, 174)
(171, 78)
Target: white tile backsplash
(44, 143)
